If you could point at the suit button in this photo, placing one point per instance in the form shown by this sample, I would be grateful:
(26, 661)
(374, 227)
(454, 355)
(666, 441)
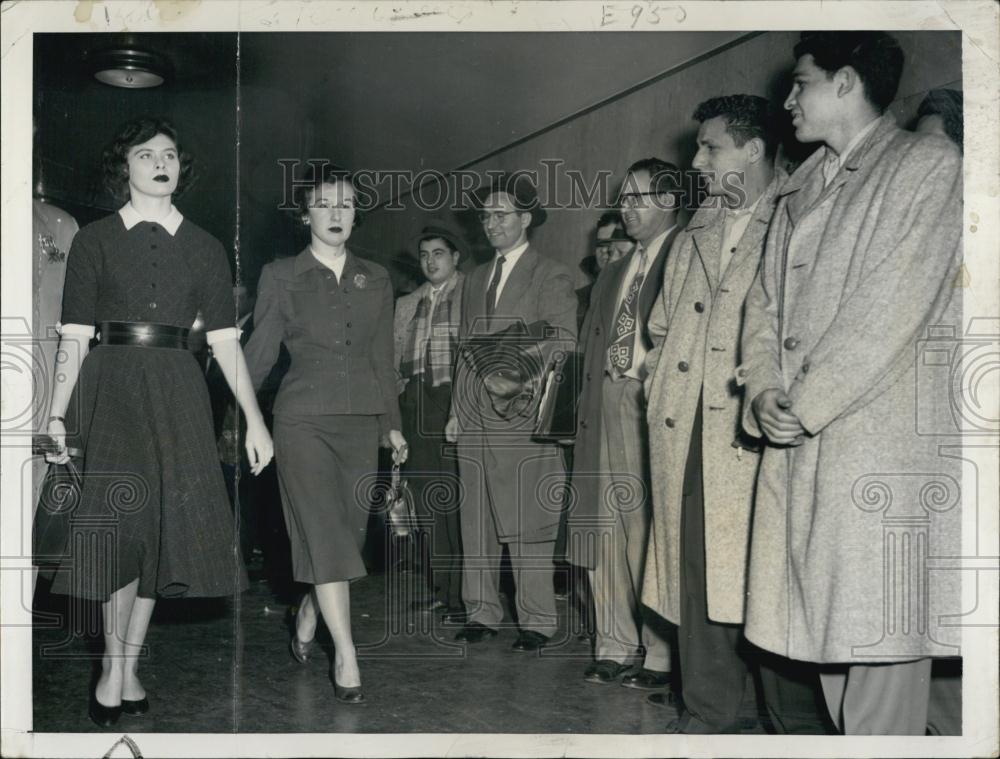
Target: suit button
(683, 366)
(348, 325)
(152, 305)
(583, 424)
(699, 307)
(347, 342)
(805, 368)
(669, 422)
(791, 343)
(597, 330)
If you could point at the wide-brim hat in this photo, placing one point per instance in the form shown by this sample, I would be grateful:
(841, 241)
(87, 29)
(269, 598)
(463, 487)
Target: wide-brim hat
(442, 229)
(521, 190)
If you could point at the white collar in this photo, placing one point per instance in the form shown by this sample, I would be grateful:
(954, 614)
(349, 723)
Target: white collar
(131, 217)
(512, 255)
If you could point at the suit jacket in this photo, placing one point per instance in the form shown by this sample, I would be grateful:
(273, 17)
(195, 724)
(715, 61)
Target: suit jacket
(595, 338)
(695, 326)
(339, 337)
(507, 476)
(855, 276)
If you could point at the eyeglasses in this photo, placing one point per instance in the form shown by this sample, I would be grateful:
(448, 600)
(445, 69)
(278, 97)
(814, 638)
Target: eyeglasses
(631, 199)
(485, 217)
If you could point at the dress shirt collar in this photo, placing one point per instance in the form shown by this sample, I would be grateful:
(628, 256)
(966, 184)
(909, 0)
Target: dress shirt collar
(510, 258)
(735, 213)
(130, 217)
(655, 244)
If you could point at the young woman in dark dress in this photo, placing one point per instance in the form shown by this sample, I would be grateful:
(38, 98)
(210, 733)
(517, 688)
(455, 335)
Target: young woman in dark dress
(138, 407)
(333, 311)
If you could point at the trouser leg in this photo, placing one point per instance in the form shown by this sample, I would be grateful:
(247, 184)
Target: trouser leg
(879, 699)
(481, 569)
(713, 674)
(534, 594)
(792, 695)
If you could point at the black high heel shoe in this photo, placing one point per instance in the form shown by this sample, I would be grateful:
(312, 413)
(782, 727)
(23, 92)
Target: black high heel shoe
(101, 715)
(352, 695)
(300, 651)
(135, 708)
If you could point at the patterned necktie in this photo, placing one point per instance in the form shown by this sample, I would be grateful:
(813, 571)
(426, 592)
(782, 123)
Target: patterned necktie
(491, 291)
(620, 352)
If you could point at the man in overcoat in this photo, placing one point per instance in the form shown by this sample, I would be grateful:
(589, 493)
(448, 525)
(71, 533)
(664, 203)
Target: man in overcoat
(512, 485)
(608, 523)
(703, 466)
(860, 264)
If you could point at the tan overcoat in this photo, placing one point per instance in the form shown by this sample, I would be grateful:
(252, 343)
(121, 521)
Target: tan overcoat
(847, 527)
(695, 327)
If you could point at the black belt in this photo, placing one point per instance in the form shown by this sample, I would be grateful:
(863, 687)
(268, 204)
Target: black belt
(144, 334)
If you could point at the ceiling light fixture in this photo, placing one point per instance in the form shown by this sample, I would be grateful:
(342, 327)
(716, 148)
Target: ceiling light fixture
(130, 68)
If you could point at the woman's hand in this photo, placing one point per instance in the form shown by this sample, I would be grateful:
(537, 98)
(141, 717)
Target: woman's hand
(57, 431)
(260, 449)
(400, 450)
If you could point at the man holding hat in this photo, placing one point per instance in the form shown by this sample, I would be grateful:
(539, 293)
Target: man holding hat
(426, 335)
(513, 486)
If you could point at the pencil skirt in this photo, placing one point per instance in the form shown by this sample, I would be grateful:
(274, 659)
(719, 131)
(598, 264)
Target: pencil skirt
(327, 471)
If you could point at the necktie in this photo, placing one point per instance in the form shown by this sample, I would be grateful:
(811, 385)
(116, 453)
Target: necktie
(621, 351)
(491, 291)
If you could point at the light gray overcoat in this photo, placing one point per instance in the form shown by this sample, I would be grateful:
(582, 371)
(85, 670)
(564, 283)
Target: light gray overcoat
(695, 327)
(844, 523)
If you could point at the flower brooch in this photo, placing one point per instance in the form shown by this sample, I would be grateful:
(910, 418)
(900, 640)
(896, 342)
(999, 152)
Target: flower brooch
(360, 281)
(49, 247)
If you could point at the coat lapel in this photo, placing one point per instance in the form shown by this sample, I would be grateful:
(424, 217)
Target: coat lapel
(752, 240)
(653, 282)
(706, 232)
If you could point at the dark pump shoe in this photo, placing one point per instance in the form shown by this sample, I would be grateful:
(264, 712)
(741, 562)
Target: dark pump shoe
(605, 671)
(665, 699)
(529, 641)
(135, 708)
(474, 632)
(101, 715)
(351, 695)
(300, 651)
(647, 679)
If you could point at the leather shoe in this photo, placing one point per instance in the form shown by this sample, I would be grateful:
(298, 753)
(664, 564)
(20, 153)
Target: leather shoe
(351, 695)
(101, 715)
(135, 708)
(604, 671)
(647, 679)
(665, 699)
(474, 632)
(529, 641)
(300, 651)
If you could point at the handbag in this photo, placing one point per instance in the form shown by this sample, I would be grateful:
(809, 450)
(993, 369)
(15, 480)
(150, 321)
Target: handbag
(58, 498)
(402, 514)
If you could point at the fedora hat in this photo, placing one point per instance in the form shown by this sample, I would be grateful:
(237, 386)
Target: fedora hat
(521, 191)
(442, 229)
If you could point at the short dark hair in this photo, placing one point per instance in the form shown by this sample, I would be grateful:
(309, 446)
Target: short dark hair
(610, 217)
(447, 242)
(664, 177)
(322, 172)
(747, 117)
(948, 105)
(876, 56)
(114, 160)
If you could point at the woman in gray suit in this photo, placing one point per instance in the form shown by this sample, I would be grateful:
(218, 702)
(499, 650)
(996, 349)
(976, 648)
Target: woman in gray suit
(333, 311)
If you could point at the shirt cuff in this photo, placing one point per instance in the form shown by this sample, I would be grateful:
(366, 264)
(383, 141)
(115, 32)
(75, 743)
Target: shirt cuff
(82, 330)
(219, 335)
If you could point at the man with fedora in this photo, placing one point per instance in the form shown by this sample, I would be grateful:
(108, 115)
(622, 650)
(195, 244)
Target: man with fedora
(609, 522)
(426, 335)
(513, 485)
